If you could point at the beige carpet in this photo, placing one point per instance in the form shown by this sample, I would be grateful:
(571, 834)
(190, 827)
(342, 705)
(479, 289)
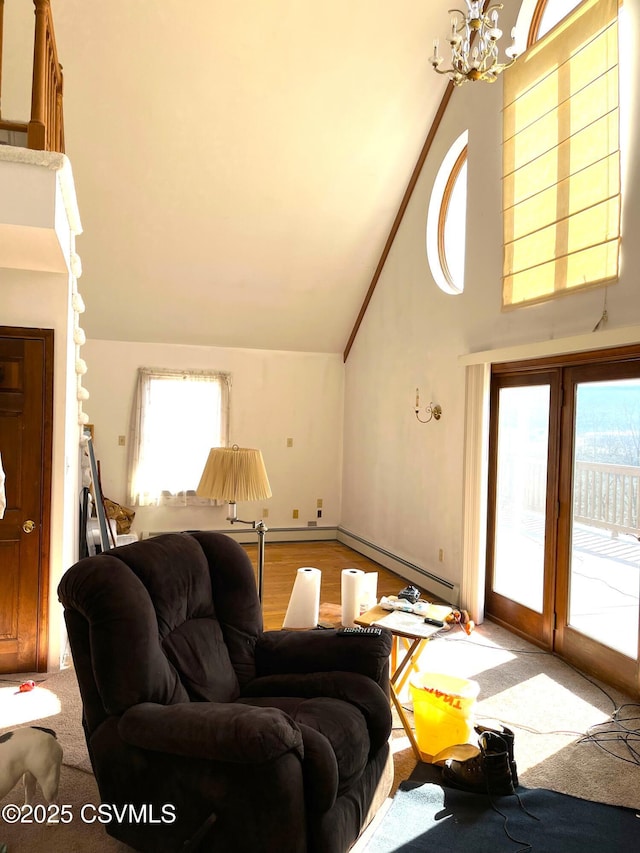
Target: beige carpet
(549, 706)
(55, 703)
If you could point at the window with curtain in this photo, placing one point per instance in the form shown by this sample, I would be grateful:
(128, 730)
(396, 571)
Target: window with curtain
(178, 416)
(561, 159)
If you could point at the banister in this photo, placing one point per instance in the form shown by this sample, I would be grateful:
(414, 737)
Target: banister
(46, 130)
(19, 126)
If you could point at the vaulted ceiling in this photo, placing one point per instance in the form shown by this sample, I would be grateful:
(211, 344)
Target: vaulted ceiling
(239, 165)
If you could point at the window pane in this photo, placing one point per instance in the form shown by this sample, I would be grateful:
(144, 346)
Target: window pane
(605, 559)
(521, 488)
(561, 164)
(455, 229)
(183, 423)
(180, 417)
(555, 11)
(447, 219)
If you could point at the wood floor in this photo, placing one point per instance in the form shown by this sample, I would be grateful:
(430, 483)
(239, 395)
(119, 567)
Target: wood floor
(283, 559)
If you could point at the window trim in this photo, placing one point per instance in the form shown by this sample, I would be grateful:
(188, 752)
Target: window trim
(537, 17)
(442, 217)
(536, 20)
(443, 187)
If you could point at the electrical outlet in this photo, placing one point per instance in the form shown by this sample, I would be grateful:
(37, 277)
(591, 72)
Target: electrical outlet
(295, 513)
(441, 555)
(319, 513)
(319, 503)
(265, 513)
(122, 440)
(289, 442)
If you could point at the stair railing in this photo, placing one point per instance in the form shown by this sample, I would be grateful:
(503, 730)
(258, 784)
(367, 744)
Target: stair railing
(45, 129)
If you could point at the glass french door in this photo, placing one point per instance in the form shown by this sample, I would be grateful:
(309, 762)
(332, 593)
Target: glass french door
(522, 509)
(563, 555)
(599, 583)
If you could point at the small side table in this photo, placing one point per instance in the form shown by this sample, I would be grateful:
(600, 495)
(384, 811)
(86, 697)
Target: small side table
(408, 645)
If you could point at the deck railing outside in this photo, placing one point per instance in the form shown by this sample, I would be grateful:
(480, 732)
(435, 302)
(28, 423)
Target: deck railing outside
(607, 496)
(604, 496)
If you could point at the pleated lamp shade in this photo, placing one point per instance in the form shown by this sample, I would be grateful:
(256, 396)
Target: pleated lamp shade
(234, 474)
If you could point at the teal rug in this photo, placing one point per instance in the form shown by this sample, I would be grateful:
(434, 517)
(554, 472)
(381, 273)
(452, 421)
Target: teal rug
(426, 816)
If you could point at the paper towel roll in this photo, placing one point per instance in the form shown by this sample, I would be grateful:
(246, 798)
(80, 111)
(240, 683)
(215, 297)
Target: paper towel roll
(351, 588)
(304, 603)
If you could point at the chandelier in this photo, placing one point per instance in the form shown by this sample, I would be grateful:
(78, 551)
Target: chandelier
(474, 40)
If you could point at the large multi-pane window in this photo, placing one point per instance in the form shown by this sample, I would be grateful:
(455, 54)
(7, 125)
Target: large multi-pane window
(561, 159)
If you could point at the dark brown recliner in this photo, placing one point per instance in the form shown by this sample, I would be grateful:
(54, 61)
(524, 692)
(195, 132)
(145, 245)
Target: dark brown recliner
(222, 736)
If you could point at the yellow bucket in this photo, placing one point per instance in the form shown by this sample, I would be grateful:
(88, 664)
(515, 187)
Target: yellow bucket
(443, 709)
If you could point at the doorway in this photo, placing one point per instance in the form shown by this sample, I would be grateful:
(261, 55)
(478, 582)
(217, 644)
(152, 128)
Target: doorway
(563, 556)
(26, 418)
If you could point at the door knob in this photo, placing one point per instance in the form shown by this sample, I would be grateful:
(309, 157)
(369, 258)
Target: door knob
(29, 526)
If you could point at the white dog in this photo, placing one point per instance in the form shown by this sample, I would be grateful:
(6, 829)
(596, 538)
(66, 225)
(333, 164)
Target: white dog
(34, 754)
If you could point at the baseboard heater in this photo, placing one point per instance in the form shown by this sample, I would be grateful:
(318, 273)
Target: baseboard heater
(443, 589)
(247, 536)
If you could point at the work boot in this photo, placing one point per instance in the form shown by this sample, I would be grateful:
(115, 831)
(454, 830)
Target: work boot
(508, 737)
(487, 773)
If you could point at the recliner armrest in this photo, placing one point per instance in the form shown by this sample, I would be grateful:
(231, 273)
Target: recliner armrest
(217, 731)
(354, 688)
(284, 652)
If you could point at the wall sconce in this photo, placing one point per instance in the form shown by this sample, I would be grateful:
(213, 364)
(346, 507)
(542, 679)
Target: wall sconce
(433, 410)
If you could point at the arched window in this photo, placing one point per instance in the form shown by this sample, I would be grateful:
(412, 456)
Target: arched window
(546, 15)
(447, 219)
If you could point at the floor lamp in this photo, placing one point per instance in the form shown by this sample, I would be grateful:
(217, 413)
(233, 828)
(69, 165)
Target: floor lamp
(237, 474)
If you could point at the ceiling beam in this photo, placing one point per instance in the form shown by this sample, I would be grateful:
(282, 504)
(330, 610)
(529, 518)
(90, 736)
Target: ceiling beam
(400, 214)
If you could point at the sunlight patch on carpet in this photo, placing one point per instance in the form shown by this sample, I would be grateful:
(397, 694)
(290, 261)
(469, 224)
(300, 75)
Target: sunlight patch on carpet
(546, 707)
(18, 708)
(465, 657)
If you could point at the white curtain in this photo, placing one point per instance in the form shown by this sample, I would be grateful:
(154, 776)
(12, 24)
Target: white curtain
(177, 417)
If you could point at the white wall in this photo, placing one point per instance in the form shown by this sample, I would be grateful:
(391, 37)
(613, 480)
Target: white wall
(274, 396)
(17, 59)
(403, 481)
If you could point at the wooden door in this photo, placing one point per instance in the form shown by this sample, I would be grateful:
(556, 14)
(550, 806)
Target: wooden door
(26, 409)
